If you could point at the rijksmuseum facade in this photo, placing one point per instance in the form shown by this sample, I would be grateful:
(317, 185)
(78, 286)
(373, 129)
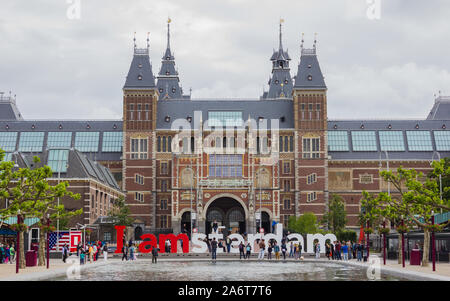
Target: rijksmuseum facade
(244, 162)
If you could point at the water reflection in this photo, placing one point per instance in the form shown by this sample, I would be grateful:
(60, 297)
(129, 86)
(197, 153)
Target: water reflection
(144, 270)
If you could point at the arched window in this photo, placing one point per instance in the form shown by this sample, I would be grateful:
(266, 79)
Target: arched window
(214, 215)
(235, 215)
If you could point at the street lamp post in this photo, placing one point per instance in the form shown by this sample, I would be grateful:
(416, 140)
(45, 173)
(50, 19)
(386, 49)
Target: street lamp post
(440, 176)
(403, 244)
(433, 244)
(368, 241)
(48, 245)
(19, 221)
(384, 243)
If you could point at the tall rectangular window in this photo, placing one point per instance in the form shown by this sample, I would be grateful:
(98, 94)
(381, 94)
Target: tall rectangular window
(31, 141)
(112, 142)
(59, 139)
(138, 148)
(58, 159)
(311, 148)
(87, 141)
(164, 168)
(8, 141)
(225, 166)
(287, 204)
(419, 141)
(163, 205)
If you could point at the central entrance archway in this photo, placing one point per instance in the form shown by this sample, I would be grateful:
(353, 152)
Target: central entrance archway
(227, 212)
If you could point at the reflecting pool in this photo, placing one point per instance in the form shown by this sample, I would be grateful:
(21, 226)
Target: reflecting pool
(144, 270)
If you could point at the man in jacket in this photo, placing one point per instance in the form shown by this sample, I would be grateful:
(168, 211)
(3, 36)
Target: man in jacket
(262, 248)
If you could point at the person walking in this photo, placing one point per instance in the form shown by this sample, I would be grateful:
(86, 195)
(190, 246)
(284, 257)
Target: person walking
(262, 247)
(105, 252)
(125, 252)
(213, 249)
(276, 249)
(132, 252)
(241, 250)
(65, 252)
(155, 255)
(317, 250)
(249, 249)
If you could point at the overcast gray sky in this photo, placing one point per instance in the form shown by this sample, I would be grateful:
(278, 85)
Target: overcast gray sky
(63, 68)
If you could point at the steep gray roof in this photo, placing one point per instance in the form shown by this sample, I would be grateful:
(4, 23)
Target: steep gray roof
(8, 108)
(268, 109)
(78, 166)
(309, 75)
(441, 109)
(140, 74)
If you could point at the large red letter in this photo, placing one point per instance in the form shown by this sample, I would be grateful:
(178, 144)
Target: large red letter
(173, 242)
(119, 238)
(152, 243)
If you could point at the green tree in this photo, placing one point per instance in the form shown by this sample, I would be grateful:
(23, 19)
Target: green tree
(120, 212)
(304, 224)
(27, 192)
(336, 217)
(442, 168)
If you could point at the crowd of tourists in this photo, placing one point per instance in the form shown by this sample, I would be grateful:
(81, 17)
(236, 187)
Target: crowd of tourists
(7, 253)
(89, 252)
(346, 250)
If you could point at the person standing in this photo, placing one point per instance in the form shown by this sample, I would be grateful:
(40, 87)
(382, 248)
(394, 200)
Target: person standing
(213, 249)
(132, 252)
(262, 247)
(344, 249)
(81, 254)
(105, 252)
(12, 253)
(269, 251)
(228, 242)
(208, 244)
(300, 248)
(154, 255)
(317, 250)
(327, 250)
(276, 249)
(241, 250)
(215, 226)
(249, 250)
(284, 250)
(291, 251)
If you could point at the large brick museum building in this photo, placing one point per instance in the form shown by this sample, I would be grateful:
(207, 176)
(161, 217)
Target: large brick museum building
(240, 162)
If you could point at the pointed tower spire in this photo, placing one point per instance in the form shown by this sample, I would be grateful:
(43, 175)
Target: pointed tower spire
(148, 40)
(134, 40)
(168, 80)
(140, 74)
(280, 83)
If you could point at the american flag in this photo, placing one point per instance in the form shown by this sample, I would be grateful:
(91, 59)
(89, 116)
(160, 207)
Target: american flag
(57, 240)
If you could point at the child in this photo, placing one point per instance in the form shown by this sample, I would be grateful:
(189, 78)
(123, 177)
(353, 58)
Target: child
(82, 254)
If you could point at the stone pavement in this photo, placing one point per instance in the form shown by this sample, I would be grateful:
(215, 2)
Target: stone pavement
(56, 268)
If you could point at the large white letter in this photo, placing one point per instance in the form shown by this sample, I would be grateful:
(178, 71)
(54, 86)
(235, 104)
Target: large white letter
(198, 245)
(251, 240)
(322, 238)
(293, 236)
(218, 237)
(235, 243)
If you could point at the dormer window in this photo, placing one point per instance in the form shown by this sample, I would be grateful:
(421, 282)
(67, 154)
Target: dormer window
(167, 72)
(310, 77)
(140, 65)
(161, 90)
(139, 77)
(286, 81)
(276, 82)
(309, 66)
(167, 119)
(173, 90)
(168, 58)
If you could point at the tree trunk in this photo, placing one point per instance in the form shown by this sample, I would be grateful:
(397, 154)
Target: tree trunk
(42, 246)
(426, 247)
(22, 263)
(400, 255)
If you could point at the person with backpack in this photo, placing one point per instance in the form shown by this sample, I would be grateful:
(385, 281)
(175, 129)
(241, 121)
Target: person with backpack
(228, 243)
(65, 252)
(276, 249)
(241, 250)
(249, 249)
(105, 252)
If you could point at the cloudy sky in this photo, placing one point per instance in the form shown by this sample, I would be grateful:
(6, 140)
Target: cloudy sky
(63, 67)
